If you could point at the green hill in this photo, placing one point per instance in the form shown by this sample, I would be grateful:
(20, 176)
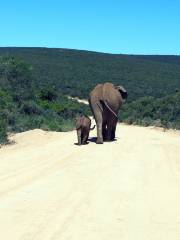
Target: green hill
(76, 72)
(35, 82)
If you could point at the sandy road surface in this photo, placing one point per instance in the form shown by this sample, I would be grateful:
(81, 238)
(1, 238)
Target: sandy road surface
(125, 190)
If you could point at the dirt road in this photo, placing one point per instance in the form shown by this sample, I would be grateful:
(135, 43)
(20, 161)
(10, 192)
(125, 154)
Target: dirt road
(125, 190)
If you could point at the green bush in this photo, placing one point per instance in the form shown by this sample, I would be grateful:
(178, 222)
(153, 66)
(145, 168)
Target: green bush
(49, 94)
(161, 112)
(3, 129)
(16, 77)
(30, 107)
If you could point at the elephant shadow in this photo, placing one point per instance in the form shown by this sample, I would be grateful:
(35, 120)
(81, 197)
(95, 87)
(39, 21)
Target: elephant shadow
(82, 144)
(93, 140)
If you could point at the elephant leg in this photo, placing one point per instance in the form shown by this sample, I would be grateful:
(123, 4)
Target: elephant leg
(113, 130)
(79, 136)
(99, 119)
(99, 130)
(87, 137)
(113, 134)
(104, 131)
(84, 139)
(99, 133)
(109, 132)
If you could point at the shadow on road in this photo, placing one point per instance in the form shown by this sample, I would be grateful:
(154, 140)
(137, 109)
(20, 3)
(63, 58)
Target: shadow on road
(93, 139)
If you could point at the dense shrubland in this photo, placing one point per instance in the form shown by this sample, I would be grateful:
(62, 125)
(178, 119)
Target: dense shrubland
(34, 84)
(75, 72)
(160, 112)
(25, 106)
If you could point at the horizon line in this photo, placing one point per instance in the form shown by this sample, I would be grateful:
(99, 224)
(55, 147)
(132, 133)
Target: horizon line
(94, 51)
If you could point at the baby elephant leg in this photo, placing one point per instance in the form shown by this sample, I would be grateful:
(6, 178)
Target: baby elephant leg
(79, 136)
(85, 137)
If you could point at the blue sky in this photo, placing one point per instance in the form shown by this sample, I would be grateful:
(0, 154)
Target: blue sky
(114, 26)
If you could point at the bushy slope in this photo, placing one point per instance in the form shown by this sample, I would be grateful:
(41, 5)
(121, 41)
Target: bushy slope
(24, 106)
(34, 83)
(76, 72)
(161, 112)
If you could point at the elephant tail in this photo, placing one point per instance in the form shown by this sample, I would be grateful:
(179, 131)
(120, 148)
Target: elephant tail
(106, 104)
(93, 127)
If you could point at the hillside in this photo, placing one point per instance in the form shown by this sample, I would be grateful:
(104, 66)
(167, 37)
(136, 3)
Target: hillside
(25, 106)
(76, 72)
(35, 84)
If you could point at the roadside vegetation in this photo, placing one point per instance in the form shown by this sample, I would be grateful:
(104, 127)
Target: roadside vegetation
(35, 83)
(25, 106)
(148, 111)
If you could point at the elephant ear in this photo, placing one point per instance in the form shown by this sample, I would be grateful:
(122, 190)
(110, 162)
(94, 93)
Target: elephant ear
(122, 91)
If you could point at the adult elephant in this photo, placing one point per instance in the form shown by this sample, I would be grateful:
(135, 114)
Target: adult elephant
(105, 101)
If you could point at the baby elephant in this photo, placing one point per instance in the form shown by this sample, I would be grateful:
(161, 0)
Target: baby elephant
(83, 127)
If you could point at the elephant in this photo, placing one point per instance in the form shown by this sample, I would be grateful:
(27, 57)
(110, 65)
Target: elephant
(83, 127)
(105, 101)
